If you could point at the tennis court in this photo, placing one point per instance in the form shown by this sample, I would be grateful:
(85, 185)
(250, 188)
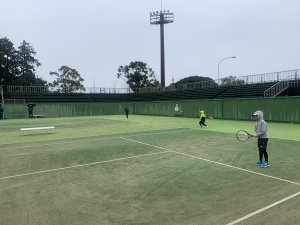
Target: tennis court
(146, 170)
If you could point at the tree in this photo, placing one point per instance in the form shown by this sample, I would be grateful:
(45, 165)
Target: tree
(68, 80)
(193, 79)
(8, 62)
(27, 63)
(17, 67)
(138, 75)
(194, 82)
(231, 80)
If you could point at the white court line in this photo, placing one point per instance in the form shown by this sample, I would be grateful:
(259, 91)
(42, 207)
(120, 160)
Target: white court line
(211, 161)
(88, 140)
(234, 167)
(263, 209)
(20, 154)
(279, 138)
(59, 143)
(36, 151)
(155, 133)
(81, 165)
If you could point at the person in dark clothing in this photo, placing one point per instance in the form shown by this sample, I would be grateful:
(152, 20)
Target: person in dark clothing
(30, 107)
(126, 110)
(1, 112)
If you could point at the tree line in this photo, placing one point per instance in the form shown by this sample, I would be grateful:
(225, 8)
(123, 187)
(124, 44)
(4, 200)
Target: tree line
(138, 75)
(18, 67)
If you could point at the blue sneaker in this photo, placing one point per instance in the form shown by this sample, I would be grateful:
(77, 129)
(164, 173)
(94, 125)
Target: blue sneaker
(259, 163)
(265, 165)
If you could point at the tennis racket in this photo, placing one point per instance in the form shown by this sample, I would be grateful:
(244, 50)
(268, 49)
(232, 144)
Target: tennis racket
(243, 135)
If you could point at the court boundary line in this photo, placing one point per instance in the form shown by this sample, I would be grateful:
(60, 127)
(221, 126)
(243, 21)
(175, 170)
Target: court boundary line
(279, 138)
(234, 167)
(58, 143)
(167, 150)
(263, 209)
(83, 165)
(38, 151)
(41, 151)
(88, 140)
(215, 162)
(116, 137)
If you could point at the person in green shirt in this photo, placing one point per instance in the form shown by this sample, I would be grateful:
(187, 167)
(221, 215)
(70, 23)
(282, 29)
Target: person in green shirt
(202, 119)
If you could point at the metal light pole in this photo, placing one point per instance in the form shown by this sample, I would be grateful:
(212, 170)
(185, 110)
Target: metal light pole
(232, 57)
(162, 18)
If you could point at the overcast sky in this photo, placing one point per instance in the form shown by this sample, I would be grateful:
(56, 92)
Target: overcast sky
(97, 36)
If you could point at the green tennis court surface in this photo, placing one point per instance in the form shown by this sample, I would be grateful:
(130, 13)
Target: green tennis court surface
(146, 170)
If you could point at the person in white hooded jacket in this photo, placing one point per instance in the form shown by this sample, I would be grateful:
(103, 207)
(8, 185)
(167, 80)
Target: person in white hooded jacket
(261, 132)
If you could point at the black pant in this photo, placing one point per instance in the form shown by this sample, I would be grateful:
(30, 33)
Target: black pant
(262, 148)
(202, 122)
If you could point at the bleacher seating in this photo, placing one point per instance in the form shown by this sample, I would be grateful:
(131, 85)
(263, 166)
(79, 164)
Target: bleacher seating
(241, 91)
(246, 91)
(293, 89)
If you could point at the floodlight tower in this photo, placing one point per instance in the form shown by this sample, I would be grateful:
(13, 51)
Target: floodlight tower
(162, 18)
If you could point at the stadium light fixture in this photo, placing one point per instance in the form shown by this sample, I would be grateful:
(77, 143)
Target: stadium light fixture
(161, 18)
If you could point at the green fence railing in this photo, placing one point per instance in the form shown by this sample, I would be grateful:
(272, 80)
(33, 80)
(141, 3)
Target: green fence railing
(281, 109)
